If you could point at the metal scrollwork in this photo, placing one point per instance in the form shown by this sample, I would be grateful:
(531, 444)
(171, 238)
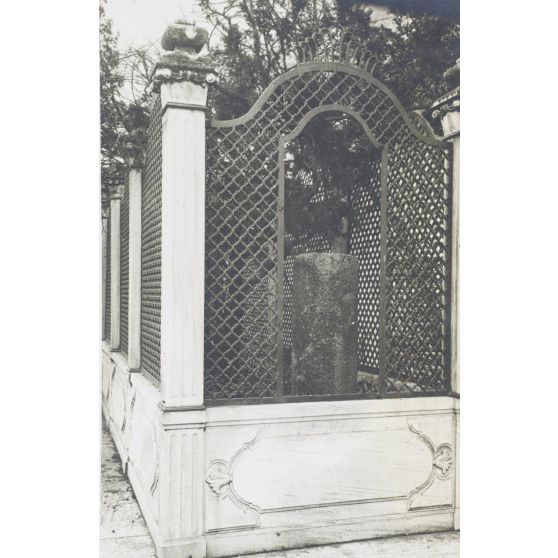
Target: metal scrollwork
(323, 46)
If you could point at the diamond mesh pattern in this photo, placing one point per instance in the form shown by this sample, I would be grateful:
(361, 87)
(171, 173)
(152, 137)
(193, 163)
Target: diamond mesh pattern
(417, 266)
(364, 242)
(241, 228)
(241, 256)
(242, 234)
(108, 281)
(124, 266)
(151, 249)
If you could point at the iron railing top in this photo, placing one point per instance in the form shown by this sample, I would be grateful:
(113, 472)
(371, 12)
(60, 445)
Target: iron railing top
(324, 66)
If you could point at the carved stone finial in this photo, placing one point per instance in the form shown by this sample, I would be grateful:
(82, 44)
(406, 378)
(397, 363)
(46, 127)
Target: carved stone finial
(451, 75)
(184, 36)
(116, 191)
(185, 58)
(135, 119)
(111, 180)
(444, 112)
(133, 144)
(133, 151)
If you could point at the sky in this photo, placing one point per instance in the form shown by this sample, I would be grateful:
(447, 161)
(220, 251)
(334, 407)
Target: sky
(141, 22)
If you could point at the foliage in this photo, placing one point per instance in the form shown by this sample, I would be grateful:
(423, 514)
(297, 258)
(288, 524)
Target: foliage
(123, 98)
(419, 51)
(255, 42)
(258, 40)
(324, 164)
(447, 10)
(112, 104)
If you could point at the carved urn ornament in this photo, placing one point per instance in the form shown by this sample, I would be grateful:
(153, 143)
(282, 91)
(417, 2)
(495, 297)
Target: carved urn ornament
(133, 145)
(443, 115)
(184, 36)
(185, 58)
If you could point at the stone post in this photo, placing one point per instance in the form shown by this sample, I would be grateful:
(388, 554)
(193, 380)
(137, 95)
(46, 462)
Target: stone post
(135, 122)
(115, 201)
(446, 111)
(181, 77)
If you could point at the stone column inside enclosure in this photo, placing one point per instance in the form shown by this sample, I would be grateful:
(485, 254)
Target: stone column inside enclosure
(115, 202)
(135, 122)
(325, 349)
(181, 77)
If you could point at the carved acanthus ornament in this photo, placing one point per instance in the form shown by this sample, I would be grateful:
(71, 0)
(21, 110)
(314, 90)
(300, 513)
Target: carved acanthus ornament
(218, 477)
(443, 459)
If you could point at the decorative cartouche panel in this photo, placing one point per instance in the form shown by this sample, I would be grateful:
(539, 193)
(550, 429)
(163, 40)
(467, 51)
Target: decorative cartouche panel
(143, 442)
(442, 468)
(118, 396)
(105, 378)
(388, 460)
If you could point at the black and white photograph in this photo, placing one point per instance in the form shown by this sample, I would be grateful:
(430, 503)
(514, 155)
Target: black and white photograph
(280, 185)
(250, 267)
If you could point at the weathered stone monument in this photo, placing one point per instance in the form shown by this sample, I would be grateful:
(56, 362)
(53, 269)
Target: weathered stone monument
(325, 356)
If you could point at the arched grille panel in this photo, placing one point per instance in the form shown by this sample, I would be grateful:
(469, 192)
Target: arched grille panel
(245, 315)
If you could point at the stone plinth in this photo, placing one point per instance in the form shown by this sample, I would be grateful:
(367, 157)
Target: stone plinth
(325, 358)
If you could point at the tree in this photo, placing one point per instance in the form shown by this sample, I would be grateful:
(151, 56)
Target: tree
(258, 41)
(123, 98)
(112, 104)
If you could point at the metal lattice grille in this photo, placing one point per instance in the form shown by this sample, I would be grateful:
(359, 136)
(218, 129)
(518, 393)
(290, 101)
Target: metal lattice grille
(108, 281)
(241, 257)
(417, 266)
(245, 315)
(124, 266)
(364, 242)
(151, 249)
